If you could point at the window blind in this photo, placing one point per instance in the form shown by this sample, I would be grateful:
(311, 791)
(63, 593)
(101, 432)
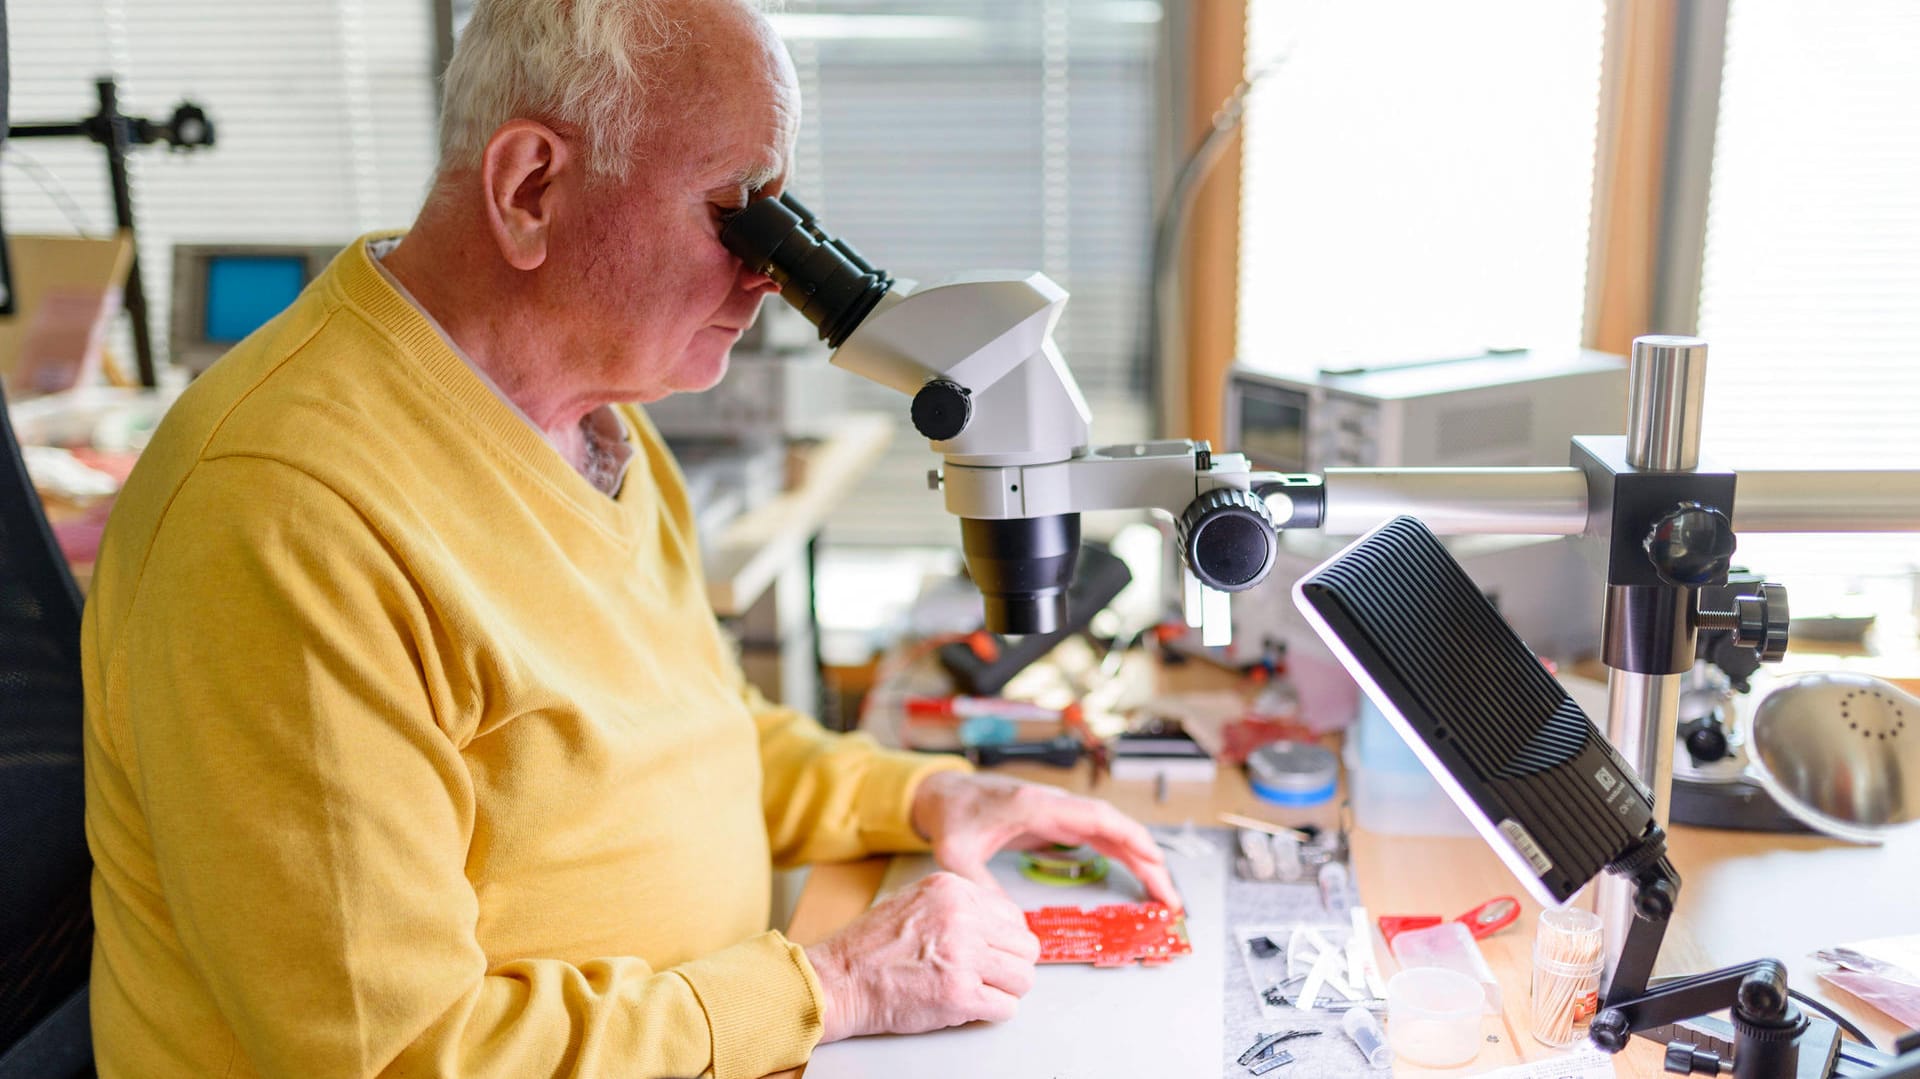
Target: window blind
(1810, 295)
(947, 135)
(1417, 178)
(323, 110)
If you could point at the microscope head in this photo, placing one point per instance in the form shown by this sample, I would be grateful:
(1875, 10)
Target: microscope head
(1022, 565)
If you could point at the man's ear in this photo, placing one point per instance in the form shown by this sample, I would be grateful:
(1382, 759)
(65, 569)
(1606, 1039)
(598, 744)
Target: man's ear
(520, 174)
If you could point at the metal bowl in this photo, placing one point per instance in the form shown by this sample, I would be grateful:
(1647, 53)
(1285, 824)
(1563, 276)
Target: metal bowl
(1841, 752)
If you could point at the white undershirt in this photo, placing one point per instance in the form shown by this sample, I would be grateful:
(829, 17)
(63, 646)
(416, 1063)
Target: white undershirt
(609, 447)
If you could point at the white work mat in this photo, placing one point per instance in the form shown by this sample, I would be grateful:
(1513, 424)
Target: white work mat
(1079, 1022)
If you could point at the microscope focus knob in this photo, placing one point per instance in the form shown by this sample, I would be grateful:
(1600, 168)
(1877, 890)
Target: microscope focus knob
(942, 409)
(1691, 545)
(1228, 540)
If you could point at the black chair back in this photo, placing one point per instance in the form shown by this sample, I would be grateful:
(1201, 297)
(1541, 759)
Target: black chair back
(46, 925)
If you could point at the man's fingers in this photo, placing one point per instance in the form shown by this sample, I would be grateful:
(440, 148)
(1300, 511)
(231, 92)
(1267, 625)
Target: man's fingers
(1006, 922)
(1083, 820)
(996, 1005)
(1117, 835)
(1099, 825)
(1158, 882)
(1152, 873)
(1067, 819)
(1017, 941)
(1005, 972)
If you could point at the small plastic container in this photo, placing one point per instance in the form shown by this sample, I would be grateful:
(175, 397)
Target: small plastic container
(1293, 773)
(1449, 946)
(1391, 791)
(1567, 959)
(1364, 1029)
(1433, 1017)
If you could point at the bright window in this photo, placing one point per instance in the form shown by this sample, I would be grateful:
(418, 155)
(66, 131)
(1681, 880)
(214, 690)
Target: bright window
(1418, 178)
(1811, 289)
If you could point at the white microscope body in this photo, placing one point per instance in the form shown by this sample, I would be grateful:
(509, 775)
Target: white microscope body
(994, 398)
(983, 341)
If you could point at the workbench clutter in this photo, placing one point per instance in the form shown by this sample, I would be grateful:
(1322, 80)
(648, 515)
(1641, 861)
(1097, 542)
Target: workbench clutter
(1312, 966)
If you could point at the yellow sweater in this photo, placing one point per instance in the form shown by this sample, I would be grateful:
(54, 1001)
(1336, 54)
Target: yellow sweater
(410, 753)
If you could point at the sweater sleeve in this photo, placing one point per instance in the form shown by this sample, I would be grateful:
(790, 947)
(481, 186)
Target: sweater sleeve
(311, 815)
(832, 797)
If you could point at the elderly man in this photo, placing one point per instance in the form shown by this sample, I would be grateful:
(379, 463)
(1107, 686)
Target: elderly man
(411, 746)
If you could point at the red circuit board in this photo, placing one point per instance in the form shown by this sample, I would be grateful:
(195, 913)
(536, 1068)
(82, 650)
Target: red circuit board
(1112, 936)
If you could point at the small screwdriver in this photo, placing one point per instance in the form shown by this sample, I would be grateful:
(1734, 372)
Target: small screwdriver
(1062, 752)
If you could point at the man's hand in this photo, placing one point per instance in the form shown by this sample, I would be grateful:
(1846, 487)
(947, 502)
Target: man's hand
(970, 818)
(940, 953)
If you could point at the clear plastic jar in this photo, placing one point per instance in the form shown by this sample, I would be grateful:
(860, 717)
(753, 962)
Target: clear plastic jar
(1567, 959)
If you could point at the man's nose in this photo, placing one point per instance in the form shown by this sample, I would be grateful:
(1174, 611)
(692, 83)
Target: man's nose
(756, 282)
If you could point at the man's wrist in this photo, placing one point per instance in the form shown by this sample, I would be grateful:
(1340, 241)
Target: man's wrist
(925, 806)
(831, 973)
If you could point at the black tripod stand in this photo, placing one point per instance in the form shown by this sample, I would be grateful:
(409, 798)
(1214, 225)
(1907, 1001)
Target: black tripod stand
(187, 129)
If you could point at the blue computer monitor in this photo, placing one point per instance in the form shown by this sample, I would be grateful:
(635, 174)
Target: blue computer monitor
(244, 291)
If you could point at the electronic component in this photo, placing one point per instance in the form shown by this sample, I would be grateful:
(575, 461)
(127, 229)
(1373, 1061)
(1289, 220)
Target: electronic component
(1110, 936)
(1065, 867)
(1268, 1063)
(1266, 1044)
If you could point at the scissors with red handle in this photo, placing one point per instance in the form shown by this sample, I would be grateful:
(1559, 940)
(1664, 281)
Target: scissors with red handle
(1482, 921)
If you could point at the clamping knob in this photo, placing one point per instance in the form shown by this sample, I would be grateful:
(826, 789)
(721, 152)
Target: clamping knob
(1228, 540)
(1763, 992)
(1759, 622)
(942, 409)
(1691, 545)
(1609, 1031)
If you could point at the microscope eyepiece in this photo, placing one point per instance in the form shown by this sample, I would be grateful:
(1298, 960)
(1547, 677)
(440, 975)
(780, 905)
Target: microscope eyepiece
(1022, 568)
(822, 277)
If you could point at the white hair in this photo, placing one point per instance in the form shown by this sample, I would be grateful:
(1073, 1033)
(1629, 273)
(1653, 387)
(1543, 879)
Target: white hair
(588, 63)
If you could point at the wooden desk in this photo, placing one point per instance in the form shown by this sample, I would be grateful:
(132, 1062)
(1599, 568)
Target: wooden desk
(1745, 896)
